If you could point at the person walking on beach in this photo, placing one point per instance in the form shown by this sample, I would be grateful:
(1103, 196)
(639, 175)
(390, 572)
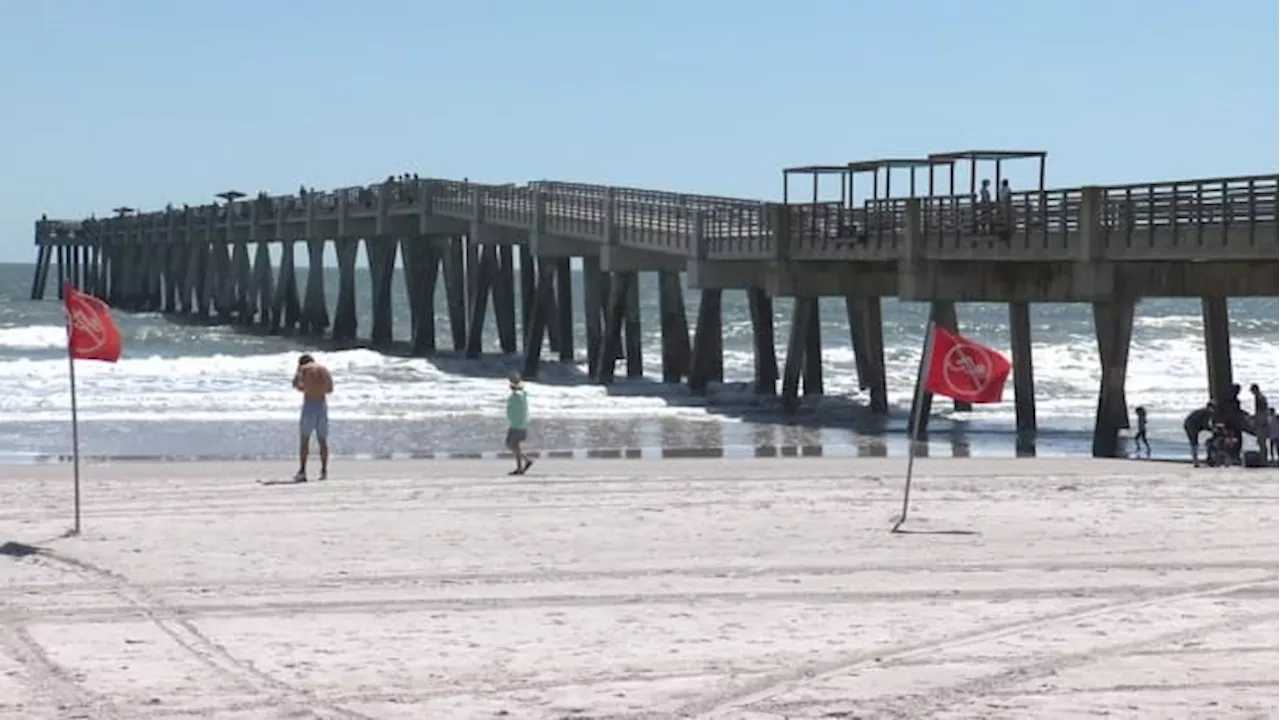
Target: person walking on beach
(1198, 421)
(1140, 437)
(315, 383)
(518, 424)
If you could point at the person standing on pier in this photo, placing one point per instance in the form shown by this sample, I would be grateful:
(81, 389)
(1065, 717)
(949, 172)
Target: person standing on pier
(518, 424)
(315, 382)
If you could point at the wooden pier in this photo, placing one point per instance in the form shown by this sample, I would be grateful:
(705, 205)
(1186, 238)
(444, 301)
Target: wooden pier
(509, 247)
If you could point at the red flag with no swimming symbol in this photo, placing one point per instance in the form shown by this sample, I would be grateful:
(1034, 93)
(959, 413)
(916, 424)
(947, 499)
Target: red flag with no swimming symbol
(965, 370)
(92, 333)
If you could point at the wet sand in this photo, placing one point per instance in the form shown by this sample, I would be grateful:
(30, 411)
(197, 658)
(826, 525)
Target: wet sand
(717, 588)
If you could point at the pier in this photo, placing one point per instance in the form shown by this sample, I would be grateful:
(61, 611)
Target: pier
(502, 254)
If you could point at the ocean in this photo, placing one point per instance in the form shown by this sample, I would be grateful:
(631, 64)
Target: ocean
(195, 391)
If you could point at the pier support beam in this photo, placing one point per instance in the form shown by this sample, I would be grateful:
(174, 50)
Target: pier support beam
(504, 299)
(1024, 390)
(192, 280)
(345, 322)
(633, 330)
(802, 312)
(528, 288)
(1217, 349)
(813, 350)
(564, 309)
(866, 328)
(421, 260)
(593, 311)
(241, 281)
(539, 309)
(481, 292)
(455, 288)
(614, 323)
(288, 310)
(1113, 323)
(40, 280)
(315, 309)
(675, 327)
(707, 364)
(263, 299)
(380, 253)
(760, 308)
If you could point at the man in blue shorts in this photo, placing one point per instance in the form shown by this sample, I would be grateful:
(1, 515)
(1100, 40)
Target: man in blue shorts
(315, 383)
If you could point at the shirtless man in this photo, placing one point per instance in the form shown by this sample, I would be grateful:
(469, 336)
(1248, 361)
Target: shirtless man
(315, 383)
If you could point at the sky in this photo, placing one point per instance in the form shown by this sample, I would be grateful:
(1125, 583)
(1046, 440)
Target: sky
(143, 102)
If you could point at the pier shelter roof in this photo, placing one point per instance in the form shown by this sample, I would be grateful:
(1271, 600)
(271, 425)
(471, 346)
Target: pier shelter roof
(849, 171)
(973, 157)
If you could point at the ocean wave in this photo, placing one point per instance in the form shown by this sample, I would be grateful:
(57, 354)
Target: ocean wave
(1165, 374)
(33, 337)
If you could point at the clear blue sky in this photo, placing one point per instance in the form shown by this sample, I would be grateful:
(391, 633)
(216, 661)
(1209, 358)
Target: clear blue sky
(141, 102)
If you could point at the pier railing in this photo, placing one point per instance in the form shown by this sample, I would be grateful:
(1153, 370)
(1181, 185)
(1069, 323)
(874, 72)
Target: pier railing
(1233, 217)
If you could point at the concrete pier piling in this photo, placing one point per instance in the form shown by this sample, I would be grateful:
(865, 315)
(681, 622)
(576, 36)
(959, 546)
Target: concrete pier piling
(471, 244)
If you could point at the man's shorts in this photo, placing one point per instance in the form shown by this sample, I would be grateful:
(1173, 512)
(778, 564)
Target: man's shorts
(314, 420)
(515, 437)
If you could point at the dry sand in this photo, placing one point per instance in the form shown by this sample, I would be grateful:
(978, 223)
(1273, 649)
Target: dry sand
(752, 589)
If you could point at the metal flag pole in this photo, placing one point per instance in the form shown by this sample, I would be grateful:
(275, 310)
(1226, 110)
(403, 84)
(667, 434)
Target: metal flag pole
(917, 419)
(75, 425)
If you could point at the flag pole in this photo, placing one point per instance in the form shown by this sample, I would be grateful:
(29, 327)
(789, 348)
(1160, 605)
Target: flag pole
(75, 430)
(917, 419)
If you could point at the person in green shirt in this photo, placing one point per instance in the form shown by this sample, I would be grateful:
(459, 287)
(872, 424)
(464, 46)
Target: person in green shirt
(518, 424)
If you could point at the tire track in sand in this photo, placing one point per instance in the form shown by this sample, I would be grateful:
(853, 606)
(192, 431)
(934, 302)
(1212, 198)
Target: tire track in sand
(200, 646)
(726, 704)
(51, 681)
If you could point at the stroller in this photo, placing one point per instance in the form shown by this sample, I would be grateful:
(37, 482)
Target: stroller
(1222, 448)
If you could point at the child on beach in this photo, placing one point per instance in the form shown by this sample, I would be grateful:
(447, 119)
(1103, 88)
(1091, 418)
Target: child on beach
(518, 424)
(1140, 438)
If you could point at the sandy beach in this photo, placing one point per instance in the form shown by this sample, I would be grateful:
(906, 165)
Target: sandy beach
(753, 589)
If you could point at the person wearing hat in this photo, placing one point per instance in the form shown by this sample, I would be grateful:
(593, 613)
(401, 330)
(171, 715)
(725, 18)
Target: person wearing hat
(518, 424)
